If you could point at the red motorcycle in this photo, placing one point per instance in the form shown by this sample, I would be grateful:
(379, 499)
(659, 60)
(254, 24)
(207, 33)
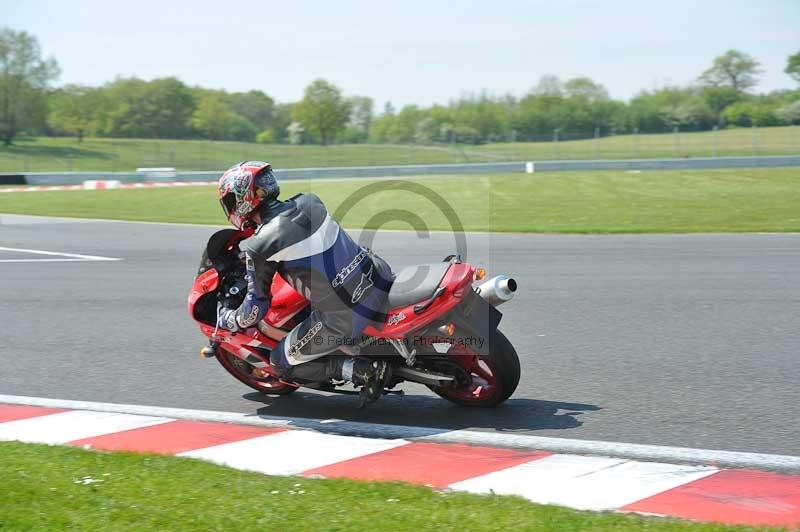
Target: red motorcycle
(441, 330)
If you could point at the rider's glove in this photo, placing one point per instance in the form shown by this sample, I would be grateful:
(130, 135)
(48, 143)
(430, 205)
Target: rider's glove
(226, 319)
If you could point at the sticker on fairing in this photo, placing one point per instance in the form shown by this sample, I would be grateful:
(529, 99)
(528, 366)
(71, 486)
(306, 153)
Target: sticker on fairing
(394, 319)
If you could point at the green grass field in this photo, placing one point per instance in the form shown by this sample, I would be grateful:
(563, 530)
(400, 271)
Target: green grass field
(60, 154)
(726, 142)
(671, 201)
(58, 488)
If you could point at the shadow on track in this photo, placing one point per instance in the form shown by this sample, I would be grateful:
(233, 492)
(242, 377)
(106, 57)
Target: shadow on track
(426, 411)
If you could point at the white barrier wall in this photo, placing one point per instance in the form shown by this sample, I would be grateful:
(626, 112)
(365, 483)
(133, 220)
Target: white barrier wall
(71, 178)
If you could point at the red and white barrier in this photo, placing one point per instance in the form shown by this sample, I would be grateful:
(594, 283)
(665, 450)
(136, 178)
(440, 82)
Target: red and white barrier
(105, 184)
(101, 184)
(702, 492)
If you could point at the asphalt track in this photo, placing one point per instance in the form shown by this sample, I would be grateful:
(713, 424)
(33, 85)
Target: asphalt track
(684, 340)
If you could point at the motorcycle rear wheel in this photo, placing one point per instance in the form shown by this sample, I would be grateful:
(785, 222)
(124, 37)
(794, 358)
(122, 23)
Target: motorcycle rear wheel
(249, 375)
(486, 381)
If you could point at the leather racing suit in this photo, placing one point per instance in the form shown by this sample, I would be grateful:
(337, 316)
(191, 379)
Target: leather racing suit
(346, 285)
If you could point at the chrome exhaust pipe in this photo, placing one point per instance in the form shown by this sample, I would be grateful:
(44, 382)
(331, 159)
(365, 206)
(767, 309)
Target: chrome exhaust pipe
(497, 290)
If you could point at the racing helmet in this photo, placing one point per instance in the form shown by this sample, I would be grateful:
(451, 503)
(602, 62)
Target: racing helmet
(245, 186)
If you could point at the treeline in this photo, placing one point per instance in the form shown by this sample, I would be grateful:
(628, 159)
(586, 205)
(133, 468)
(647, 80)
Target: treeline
(163, 108)
(168, 108)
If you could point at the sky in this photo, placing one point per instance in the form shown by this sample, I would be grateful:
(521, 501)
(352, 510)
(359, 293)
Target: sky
(411, 51)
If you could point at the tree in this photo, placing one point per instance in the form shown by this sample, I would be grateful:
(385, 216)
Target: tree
(24, 75)
(586, 107)
(214, 119)
(437, 125)
(161, 108)
(72, 110)
(255, 106)
(167, 108)
(281, 118)
(404, 125)
(379, 130)
(484, 118)
(322, 111)
(733, 69)
(585, 89)
(549, 85)
(789, 113)
(538, 114)
(295, 133)
(751, 113)
(718, 98)
(679, 107)
(266, 137)
(360, 117)
(691, 112)
(793, 67)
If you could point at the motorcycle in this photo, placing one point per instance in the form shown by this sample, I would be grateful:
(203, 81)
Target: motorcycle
(441, 329)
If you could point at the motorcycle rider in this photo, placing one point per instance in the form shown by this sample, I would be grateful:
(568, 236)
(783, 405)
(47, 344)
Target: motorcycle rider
(346, 284)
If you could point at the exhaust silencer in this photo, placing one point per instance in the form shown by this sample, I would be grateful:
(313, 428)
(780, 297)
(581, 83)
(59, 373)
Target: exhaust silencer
(497, 290)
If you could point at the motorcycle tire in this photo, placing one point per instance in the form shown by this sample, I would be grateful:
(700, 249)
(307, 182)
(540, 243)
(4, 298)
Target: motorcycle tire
(244, 373)
(503, 365)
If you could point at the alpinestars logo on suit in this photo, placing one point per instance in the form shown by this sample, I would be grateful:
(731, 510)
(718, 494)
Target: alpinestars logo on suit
(364, 285)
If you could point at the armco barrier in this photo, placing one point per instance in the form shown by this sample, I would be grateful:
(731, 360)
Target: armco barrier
(12, 179)
(71, 178)
(669, 164)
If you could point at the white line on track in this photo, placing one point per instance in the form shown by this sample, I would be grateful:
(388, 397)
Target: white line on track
(63, 257)
(12, 219)
(652, 453)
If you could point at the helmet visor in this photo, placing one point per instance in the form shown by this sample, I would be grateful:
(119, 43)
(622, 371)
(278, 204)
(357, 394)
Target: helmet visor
(228, 202)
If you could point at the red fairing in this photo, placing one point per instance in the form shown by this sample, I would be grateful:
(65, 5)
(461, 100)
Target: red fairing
(206, 282)
(401, 321)
(286, 302)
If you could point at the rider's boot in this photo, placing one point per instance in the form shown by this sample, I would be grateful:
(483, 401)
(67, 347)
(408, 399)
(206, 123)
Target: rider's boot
(371, 375)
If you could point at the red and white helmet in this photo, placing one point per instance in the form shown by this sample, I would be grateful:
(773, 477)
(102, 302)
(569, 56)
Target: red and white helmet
(245, 186)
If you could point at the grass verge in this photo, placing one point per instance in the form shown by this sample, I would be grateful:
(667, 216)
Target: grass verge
(669, 201)
(783, 140)
(56, 488)
(60, 154)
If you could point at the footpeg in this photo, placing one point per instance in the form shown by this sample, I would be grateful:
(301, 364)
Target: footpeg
(207, 352)
(400, 346)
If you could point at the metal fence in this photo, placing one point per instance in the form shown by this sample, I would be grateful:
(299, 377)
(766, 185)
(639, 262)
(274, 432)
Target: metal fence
(125, 155)
(754, 141)
(69, 178)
